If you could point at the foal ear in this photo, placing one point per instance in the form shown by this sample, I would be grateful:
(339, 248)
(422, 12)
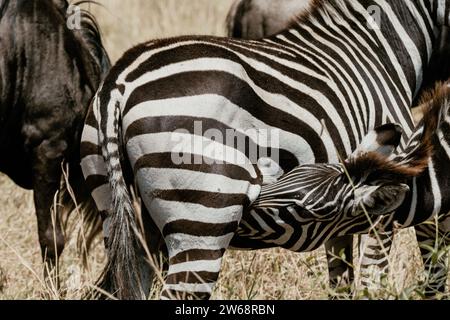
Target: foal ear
(379, 200)
(382, 140)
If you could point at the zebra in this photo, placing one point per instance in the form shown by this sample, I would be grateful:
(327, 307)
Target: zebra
(350, 74)
(253, 19)
(48, 75)
(250, 19)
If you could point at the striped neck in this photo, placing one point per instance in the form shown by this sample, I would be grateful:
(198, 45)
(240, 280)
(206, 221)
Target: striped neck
(403, 31)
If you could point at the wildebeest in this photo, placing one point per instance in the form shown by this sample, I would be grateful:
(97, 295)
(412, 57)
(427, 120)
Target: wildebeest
(48, 75)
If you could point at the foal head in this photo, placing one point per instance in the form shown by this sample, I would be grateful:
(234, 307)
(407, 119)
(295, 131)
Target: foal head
(368, 181)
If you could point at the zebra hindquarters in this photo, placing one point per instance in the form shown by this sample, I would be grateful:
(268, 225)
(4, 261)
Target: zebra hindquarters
(197, 208)
(96, 179)
(434, 241)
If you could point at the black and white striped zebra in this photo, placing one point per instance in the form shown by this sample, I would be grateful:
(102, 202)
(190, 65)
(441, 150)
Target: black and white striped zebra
(331, 66)
(254, 19)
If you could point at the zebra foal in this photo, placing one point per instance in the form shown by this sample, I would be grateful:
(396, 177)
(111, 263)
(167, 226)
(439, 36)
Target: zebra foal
(331, 65)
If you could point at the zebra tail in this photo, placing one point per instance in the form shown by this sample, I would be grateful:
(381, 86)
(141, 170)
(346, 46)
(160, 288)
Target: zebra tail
(121, 274)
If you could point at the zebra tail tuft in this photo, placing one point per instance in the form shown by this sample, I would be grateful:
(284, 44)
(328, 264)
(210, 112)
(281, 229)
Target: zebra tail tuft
(121, 274)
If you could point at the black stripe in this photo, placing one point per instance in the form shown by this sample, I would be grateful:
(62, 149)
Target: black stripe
(199, 229)
(216, 200)
(89, 149)
(95, 181)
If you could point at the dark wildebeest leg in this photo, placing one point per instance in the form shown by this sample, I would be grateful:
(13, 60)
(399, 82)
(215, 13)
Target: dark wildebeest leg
(47, 159)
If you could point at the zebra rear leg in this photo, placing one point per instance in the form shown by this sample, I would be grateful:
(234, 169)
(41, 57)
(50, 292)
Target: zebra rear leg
(435, 257)
(193, 275)
(196, 237)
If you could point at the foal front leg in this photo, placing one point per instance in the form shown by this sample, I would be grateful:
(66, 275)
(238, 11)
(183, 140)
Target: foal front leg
(47, 158)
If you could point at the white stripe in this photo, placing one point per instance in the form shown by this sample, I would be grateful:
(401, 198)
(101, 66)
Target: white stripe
(196, 266)
(437, 197)
(443, 141)
(441, 12)
(413, 208)
(180, 242)
(102, 197)
(93, 165)
(90, 134)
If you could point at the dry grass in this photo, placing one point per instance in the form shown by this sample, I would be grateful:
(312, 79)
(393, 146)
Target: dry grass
(269, 274)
